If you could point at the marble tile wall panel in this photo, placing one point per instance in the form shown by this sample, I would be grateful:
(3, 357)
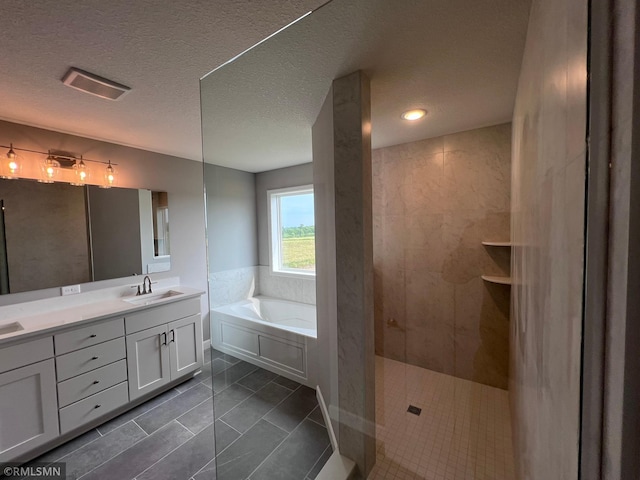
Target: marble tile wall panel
(548, 201)
(354, 269)
(296, 289)
(231, 286)
(434, 202)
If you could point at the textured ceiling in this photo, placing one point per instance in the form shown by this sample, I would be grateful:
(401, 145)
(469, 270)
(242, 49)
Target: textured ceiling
(159, 48)
(459, 59)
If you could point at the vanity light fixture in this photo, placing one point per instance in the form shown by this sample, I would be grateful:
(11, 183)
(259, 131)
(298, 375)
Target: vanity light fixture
(415, 114)
(109, 176)
(81, 173)
(10, 168)
(50, 168)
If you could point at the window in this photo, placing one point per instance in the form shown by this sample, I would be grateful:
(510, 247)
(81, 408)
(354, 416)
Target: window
(293, 231)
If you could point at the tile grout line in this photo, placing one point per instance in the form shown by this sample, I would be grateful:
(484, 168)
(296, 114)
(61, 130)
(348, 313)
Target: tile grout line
(136, 424)
(130, 446)
(240, 433)
(169, 453)
(73, 451)
(262, 417)
(277, 446)
(196, 406)
(143, 413)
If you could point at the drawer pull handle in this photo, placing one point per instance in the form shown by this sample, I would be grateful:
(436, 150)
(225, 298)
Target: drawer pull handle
(93, 335)
(97, 406)
(164, 336)
(173, 336)
(94, 358)
(95, 382)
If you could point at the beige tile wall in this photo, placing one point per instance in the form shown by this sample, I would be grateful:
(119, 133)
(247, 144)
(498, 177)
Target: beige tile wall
(434, 202)
(549, 166)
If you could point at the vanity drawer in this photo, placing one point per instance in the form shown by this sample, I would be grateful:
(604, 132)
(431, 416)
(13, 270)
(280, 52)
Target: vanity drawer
(92, 382)
(95, 406)
(90, 358)
(87, 336)
(25, 353)
(153, 317)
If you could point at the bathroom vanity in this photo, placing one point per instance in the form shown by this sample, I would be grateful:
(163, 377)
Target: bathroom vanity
(65, 372)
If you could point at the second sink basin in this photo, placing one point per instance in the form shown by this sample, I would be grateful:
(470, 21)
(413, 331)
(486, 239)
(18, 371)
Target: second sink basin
(150, 298)
(10, 328)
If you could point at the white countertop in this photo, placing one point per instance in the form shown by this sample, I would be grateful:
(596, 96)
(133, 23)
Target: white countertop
(97, 309)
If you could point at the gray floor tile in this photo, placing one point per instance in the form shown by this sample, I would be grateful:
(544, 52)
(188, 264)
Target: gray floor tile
(320, 463)
(316, 416)
(225, 436)
(248, 451)
(68, 447)
(199, 417)
(163, 414)
(227, 358)
(102, 449)
(186, 460)
(219, 365)
(231, 375)
(293, 409)
(142, 455)
(297, 455)
(137, 411)
(229, 398)
(207, 473)
(192, 382)
(285, 382)
(247, 413)
(258, 379)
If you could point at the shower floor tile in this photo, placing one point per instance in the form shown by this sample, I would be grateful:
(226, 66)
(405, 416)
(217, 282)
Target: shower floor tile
(462, 433)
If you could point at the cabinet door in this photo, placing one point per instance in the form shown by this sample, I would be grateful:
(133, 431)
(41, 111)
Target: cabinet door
(185, 343)
(147, 361)
(28, 409)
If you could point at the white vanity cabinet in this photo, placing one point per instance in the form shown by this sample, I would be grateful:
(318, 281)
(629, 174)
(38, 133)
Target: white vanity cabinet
(91, 372)
(163, 344)
(72, 377)
(28, 403)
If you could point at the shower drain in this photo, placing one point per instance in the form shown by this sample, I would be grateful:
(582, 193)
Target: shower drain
(413, 409)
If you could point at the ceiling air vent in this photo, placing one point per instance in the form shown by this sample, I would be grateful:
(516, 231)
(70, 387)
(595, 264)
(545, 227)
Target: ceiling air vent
(93, 84)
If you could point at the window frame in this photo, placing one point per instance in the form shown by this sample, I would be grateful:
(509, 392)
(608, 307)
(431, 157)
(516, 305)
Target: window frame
(274, 197)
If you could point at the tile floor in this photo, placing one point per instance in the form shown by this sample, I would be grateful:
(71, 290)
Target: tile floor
(266, 427)
(462, 433)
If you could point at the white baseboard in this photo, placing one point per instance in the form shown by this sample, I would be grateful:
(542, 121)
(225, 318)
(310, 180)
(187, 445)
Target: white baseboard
(206, 344)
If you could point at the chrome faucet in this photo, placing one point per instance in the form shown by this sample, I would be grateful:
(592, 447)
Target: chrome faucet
(144, 285)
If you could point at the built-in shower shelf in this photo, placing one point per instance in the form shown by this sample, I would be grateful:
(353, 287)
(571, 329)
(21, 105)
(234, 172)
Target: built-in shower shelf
(496, 244)
(496, 279)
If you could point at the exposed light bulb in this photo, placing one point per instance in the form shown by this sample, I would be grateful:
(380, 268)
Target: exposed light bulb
(50, 168)
(10, 167)
(81, 173)
(109, 176)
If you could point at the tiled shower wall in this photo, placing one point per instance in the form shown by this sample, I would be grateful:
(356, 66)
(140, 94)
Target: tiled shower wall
(549, 166)
(434, 202)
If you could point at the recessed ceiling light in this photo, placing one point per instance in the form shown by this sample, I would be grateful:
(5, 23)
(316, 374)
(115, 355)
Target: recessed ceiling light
(415, 114)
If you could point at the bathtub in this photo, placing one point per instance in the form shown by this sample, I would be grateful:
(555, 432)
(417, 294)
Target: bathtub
(278, 335)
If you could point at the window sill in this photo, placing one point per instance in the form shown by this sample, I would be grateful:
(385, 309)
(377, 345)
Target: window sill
(290, 274)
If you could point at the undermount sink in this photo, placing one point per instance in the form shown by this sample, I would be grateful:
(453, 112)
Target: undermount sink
(10, 328)
(149, 298)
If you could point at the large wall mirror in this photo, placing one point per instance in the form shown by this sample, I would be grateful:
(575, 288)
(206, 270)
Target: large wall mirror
(57, 234)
